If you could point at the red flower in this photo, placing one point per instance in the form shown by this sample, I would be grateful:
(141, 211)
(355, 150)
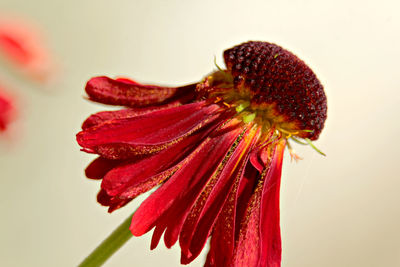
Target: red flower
(7, 111)
(23, 46)
(215, 148)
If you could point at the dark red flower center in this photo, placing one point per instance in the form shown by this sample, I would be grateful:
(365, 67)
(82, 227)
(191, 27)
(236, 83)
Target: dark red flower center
(273, 85)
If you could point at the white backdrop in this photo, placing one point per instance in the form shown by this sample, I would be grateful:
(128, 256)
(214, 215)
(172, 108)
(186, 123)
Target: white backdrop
(341, 210)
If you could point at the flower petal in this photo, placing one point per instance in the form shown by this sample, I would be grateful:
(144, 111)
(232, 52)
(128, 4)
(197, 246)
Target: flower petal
(201, 219)
(259, 157)
(186, 183)
(259, 242)
(147, 133)
(99, 167)
(270, 227)
(127, 93)
(174, 219)
(105, 116)
(223, 237)
(131, 179)
(111, 202)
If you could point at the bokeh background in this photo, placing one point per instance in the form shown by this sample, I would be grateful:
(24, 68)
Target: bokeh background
(339, 210)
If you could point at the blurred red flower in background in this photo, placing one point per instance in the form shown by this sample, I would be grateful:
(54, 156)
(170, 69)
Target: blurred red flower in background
(23, 46)
(215, 148)
(7, 110)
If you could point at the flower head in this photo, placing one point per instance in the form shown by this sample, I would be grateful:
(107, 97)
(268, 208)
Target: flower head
(215, 149)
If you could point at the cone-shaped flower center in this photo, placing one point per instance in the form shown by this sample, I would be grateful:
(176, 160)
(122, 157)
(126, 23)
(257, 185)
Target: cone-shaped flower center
(271, 86)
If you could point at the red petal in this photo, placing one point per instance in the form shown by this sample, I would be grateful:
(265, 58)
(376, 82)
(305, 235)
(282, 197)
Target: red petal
(104, 116)
(259, 241)
(127, 93)
(127, 80)
(199, 222)
(259, 158)
(256, 161)
(189, 179)
(99, 167)
(130, 180)
(223, 236)
(113, 203)
(103, 198)
(155, 239)
(174, 219)
(147, 133)
(270, 227)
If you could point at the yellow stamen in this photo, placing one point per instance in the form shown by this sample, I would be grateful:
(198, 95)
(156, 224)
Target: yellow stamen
(226, 104)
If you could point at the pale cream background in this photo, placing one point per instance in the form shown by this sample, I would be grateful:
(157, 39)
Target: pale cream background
(342, 210)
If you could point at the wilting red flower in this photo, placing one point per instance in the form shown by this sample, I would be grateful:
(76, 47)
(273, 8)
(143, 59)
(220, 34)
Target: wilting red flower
(7, 110)
(215, 148)
(23, 46)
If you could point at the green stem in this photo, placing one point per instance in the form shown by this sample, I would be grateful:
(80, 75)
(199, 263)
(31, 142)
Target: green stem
(109, 246)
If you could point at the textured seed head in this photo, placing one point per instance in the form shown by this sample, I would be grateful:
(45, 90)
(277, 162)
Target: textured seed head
(277, 79)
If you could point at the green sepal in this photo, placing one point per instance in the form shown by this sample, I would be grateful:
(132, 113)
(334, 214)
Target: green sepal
(315, 148)
(216, 65)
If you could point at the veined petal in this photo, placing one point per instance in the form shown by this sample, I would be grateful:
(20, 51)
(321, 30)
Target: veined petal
(270, 227)
(173, 219)
(223, 237)
(148, 133)
(259, 156)
(185, 184)
(127, 80)
(259, 242)
(105, 116)
(111, 202)
(127, 93)
(99, 167)
(131, 179)
(204, 213)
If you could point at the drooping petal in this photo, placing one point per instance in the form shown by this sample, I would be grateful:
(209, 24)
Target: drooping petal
(111, 202)
(127, 80)
(173, 220)
(270, 221)
(99, 167)
(105, 116)
(127, 93)
(131, 179)
(201, 219)
(259, 156)
(223, 237)
(259, 242)
(147, 133)
(186, 184)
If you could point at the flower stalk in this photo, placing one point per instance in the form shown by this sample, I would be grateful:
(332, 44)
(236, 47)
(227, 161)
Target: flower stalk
(109, 246)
